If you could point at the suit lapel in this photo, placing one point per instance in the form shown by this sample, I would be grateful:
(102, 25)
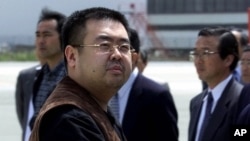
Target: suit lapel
(29, 85)
(223, 108)
(195, 114)
(132, 104)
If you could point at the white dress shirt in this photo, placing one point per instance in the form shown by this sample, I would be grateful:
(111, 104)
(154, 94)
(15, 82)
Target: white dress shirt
(30, 114)
(123, 93)
(216, 93)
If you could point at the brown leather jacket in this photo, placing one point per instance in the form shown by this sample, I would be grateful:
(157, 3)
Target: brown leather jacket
(69, 92)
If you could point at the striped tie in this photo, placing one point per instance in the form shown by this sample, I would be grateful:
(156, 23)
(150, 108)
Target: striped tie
(114, 105)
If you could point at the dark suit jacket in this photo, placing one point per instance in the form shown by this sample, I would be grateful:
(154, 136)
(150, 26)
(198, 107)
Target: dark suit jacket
(24, 90)
(223, 117)
(244, 117)
(244, 98)
(244, 107)
(150, 114)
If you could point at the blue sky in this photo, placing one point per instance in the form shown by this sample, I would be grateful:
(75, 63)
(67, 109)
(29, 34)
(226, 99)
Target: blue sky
(19, 17)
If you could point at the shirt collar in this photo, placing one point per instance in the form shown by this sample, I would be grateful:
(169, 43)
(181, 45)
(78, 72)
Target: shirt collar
(127, 86)
(218, 89)
(59, 66)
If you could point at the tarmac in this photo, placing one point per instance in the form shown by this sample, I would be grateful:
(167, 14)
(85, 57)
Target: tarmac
(181, 77)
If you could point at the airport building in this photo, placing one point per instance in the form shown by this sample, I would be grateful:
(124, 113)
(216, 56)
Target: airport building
(173, 25)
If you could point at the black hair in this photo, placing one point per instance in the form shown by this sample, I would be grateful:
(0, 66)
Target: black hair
(144, 56)
(134, 40)
(47, 14)
(243, 40)
(227, 43)
(243, 37)
(74, 29)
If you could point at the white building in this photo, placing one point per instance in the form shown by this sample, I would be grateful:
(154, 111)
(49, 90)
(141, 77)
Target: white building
(177, 22)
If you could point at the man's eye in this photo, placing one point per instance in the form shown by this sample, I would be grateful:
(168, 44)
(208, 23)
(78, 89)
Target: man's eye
(124, 47)
(105, 46)
(47, 35)
(205, 52)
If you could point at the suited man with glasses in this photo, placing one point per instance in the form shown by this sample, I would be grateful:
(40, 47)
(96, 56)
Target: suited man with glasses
(145, 108)
(212, 111)
(245, 65)
(242, 40)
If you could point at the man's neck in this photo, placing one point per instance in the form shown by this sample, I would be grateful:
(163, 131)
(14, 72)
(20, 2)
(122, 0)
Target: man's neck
(218, 80)
(52, 63)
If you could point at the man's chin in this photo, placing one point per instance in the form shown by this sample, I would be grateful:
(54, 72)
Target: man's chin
(116, 84)
(201, 77)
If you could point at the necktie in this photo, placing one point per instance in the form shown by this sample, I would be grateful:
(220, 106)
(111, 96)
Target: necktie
(236, 75)
(114, 105)
(207, 114)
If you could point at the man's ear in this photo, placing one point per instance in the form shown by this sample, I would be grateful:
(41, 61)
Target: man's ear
(70, 53)
(229, 60)
(135, 57)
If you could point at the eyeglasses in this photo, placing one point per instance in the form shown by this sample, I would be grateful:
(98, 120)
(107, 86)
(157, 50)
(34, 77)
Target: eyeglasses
(109, 47)
(202, 55)
(245, 63)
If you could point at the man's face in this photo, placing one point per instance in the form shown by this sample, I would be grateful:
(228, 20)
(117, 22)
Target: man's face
(99, 69)
(245, 67)
(209, 66)
(47, 39)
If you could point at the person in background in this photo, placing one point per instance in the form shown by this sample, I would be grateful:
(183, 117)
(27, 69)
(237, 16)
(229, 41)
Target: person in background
(242, 40)
(243, 112)
(98, 57)
(212, 112)
(142, 61)
(245, 65)
(144, 107)
(23, 93)
(48, 43)
(142, 64)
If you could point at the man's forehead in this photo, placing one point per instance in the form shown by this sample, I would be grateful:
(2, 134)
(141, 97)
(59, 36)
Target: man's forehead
(207, 41)
(47, 24)
(109, 30)
(46, 27)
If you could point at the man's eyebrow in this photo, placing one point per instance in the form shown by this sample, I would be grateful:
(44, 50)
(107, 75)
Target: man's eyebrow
(124, 40)
(43, 32)
(108, 38)
(104, 37)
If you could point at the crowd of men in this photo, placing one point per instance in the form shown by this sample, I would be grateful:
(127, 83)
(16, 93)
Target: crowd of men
(89, 83)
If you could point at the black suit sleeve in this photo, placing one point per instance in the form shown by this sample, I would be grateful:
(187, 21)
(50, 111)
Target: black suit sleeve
(68, 123)
(150, 113)
(19, 99)
(243, 112)
(244, 117)
(166, 117)
(244, 99)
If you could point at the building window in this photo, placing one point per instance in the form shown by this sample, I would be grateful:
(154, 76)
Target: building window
(194, 6)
